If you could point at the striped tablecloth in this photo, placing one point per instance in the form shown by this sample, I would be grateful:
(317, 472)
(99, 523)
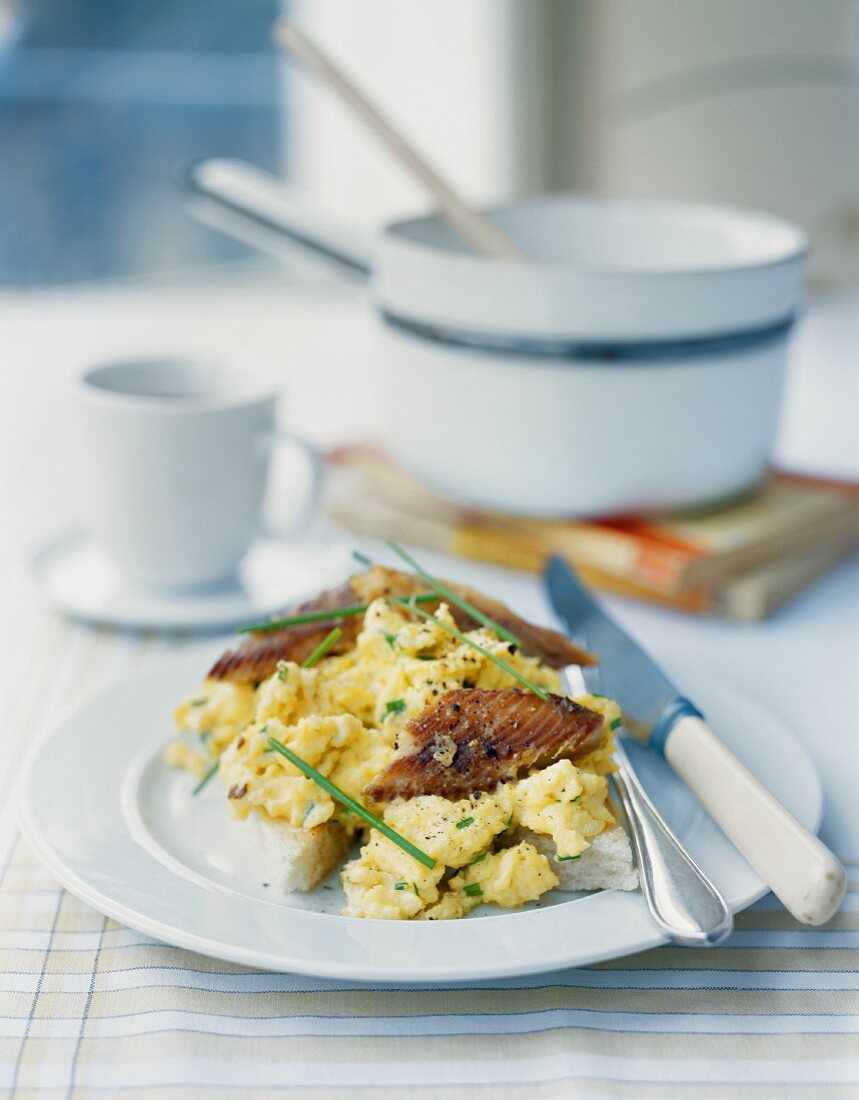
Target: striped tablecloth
(92, 1008)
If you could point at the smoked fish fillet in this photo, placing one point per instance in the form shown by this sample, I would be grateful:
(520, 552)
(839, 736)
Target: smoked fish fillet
(472, 740)
(256, 658)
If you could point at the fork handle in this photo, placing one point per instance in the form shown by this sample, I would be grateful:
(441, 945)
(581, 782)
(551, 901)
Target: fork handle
(799, 869)
(680, 897)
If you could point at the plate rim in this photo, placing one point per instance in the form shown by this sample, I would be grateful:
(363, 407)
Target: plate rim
(281, 961)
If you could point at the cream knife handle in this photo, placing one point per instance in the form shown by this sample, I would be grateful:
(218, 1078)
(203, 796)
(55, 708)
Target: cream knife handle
(797, 867)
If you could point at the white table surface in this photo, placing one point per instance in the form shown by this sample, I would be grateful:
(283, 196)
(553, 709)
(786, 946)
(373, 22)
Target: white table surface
(803, 664)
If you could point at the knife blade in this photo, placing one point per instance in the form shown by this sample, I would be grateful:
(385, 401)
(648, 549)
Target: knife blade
(651, 704)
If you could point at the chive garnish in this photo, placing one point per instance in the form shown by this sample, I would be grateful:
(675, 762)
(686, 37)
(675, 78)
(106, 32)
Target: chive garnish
(395, 706)
(479, 859)
(465, 821)
(205, 778)
(400, 885)
(468, 641)
(389, 638)
(282, 671)
(415, 888)
(566, 859)
(350, 803)
(198, 702)
(614, 725)
(473, 889)
(321, 616)
(454, 597)
(323, 648)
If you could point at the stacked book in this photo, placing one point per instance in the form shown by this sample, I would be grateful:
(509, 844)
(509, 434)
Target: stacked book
(740, 560)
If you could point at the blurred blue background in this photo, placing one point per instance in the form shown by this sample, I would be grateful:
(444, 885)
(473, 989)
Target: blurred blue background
(101, 104)
(750, 102)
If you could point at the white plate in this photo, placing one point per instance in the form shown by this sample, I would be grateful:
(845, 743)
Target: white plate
(121, 831)
(80, 579)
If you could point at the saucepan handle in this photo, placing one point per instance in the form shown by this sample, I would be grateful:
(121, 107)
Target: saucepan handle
(260, 209)
(798, 868)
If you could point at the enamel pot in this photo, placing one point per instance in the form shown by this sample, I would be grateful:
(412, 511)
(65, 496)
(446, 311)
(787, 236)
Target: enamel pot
(633, 363)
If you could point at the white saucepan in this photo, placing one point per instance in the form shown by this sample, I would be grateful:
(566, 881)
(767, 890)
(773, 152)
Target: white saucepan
(634, 362)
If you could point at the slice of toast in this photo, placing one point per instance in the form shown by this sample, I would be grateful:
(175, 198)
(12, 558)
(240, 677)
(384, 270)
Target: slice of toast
(299, 859)
(606, 865)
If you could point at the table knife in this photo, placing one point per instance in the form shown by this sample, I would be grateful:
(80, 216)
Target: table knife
(798, 868)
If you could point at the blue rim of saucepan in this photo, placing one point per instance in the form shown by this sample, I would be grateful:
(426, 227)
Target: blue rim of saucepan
(605, 351)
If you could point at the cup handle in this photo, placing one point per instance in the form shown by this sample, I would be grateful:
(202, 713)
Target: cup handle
(279, 437)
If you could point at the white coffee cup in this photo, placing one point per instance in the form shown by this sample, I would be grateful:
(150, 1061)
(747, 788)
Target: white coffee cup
(176, 455)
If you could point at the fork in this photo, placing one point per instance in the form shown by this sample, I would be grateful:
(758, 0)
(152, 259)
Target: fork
(682, 901)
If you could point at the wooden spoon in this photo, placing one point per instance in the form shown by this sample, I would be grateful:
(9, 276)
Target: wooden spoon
(477, 230)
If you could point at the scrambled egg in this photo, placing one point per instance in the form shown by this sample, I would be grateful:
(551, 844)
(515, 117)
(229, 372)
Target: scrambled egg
(560, 801)
(345, 717)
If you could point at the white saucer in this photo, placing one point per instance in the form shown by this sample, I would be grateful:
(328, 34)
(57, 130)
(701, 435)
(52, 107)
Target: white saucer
(82, 581)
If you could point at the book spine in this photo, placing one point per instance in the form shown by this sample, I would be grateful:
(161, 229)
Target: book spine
(483, 543)
(612, 551)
